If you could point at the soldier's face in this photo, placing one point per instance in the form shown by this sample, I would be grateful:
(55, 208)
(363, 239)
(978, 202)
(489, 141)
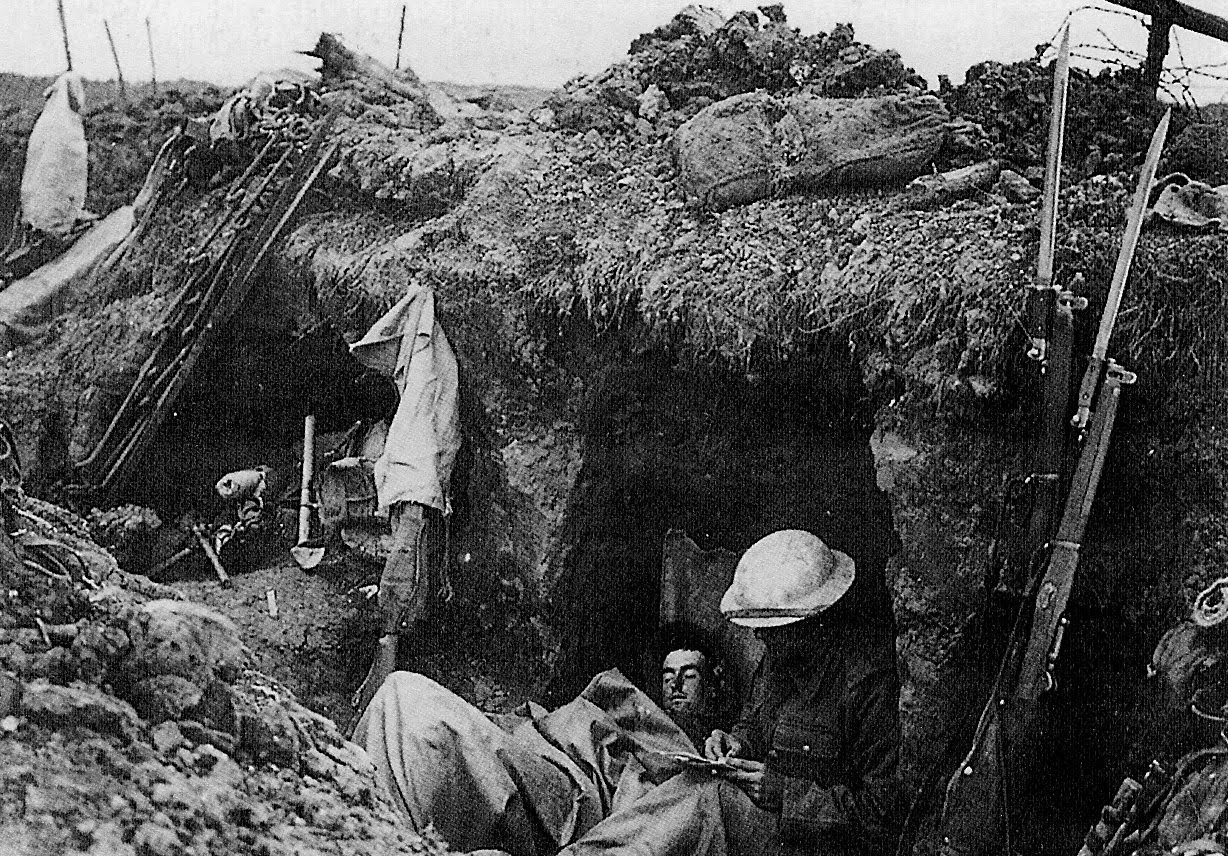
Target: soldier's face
(684, 681)
(789, 643)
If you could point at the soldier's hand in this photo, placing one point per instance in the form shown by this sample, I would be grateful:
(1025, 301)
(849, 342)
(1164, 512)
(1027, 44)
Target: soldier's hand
(748, 775)
(721, 745)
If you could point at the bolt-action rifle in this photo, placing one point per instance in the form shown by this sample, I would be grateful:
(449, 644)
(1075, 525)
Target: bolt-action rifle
(975, 818)
(1033, 502)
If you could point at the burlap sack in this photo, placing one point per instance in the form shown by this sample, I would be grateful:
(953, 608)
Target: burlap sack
(756, 145)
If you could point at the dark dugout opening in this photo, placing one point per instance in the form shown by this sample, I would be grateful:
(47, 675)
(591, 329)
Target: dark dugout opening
(245, 406)
(727, 457)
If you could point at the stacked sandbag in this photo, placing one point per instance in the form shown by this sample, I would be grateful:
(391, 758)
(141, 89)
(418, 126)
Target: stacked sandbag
(54, 180)
(757, 145)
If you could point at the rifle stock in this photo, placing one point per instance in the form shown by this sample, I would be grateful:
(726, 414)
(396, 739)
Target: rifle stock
(975, 815)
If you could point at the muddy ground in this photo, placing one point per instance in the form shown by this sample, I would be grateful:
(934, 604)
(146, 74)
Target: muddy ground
(321, 639)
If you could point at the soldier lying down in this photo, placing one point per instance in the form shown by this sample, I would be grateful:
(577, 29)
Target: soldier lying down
(810, 767)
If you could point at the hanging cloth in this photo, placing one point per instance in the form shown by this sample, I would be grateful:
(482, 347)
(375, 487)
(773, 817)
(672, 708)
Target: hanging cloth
(408, 345)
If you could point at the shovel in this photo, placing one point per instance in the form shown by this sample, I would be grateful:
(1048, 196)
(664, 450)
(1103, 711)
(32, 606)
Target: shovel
(306, 556)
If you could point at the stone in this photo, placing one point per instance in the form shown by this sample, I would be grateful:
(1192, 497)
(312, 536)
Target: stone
(58, 707)
(164, 697)
(216, 708)
(96, 648)
(316, 764)
(10, 693)
(184, 639)
(203, 736)
(57, 665)
(544, 118)
(218, 766)
(162, 793)
(269, 736)
(251, 814)
(151, 839)
(107, 840)
(1016, 188)
(193, 731)
(651, 103)
(166, 737)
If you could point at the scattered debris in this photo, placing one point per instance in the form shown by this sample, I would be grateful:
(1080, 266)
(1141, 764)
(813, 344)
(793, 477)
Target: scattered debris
(946, 187)
(1180, 201)
(206, 544)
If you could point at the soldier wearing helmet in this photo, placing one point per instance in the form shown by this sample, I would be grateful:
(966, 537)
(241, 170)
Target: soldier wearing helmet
(818, 740)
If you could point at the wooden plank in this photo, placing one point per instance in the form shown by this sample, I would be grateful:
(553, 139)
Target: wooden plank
(1181, 15)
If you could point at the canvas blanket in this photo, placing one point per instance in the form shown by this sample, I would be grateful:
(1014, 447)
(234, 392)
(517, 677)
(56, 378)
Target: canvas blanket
(30, 303)
(593, 776)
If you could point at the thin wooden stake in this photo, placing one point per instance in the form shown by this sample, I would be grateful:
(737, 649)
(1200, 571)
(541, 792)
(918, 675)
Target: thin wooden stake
(123, 90)
(211, 555)
(400, 35)
(64, 32)
(153, 68)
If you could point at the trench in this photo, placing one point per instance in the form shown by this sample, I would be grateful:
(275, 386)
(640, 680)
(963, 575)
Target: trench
(724, 456)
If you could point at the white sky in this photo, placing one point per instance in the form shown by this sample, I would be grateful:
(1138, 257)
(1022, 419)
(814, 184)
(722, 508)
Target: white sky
(533, 42)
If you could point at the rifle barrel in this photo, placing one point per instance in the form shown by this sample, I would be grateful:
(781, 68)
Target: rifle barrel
(1129, 240)
(1053, 164)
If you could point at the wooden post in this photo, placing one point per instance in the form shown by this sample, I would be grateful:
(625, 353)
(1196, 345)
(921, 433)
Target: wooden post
(153, 68)
(64, 32)
(1157, 48)
(123, 91)
(400, 35)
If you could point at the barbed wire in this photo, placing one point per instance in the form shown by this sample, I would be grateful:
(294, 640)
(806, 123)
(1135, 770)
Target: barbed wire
(1177, 80)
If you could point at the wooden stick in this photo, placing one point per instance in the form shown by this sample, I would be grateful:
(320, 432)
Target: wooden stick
(212, 554)
(64, 32)
(400, 34)
(166, 564)
(123, 91)
(304, 501)
(153, 68)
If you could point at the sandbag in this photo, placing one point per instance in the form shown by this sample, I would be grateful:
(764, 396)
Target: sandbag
(757, 145)
(54, 180)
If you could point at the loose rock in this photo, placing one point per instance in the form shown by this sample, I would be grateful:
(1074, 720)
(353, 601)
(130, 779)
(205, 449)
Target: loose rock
(60, 707)
(164, 697)
(155, 840)
(184, 639)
